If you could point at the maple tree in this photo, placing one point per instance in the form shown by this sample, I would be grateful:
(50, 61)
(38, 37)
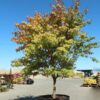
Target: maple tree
(53, 42)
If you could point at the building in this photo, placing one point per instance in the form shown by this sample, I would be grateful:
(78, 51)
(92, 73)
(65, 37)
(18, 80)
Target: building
(87, 72)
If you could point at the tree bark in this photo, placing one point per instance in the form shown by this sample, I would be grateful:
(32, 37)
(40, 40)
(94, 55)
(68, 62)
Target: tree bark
(54, 77)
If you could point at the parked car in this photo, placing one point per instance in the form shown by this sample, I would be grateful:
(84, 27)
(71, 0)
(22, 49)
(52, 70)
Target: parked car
(29, 81)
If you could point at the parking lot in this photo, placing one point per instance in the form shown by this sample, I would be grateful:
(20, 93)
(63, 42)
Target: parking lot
(71, 87)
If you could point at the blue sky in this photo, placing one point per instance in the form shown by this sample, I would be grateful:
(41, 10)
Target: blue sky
(15, 11)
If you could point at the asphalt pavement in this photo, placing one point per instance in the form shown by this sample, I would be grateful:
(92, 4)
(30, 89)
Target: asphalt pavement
(71, 87)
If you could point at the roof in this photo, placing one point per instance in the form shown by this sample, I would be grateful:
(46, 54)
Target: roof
(13, 70)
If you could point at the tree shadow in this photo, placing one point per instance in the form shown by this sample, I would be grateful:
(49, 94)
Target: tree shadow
(25, 98)
(44, 97)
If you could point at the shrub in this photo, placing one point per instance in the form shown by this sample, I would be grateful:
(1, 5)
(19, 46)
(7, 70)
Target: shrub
(89, 81)
(3, 89)
(18, 80)
(80, 75)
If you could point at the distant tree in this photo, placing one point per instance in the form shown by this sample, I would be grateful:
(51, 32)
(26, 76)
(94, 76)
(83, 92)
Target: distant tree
(53, 42)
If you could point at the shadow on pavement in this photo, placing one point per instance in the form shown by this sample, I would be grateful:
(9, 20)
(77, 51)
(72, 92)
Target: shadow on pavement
(25, 98)
(97, 89)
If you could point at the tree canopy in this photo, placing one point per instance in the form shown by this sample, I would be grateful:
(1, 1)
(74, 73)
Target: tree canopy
(54, 41)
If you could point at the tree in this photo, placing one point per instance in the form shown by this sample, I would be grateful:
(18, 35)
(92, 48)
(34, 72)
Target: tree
(53, 42)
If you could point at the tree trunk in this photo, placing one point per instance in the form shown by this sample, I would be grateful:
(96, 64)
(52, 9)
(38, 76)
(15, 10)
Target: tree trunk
(54, 77)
